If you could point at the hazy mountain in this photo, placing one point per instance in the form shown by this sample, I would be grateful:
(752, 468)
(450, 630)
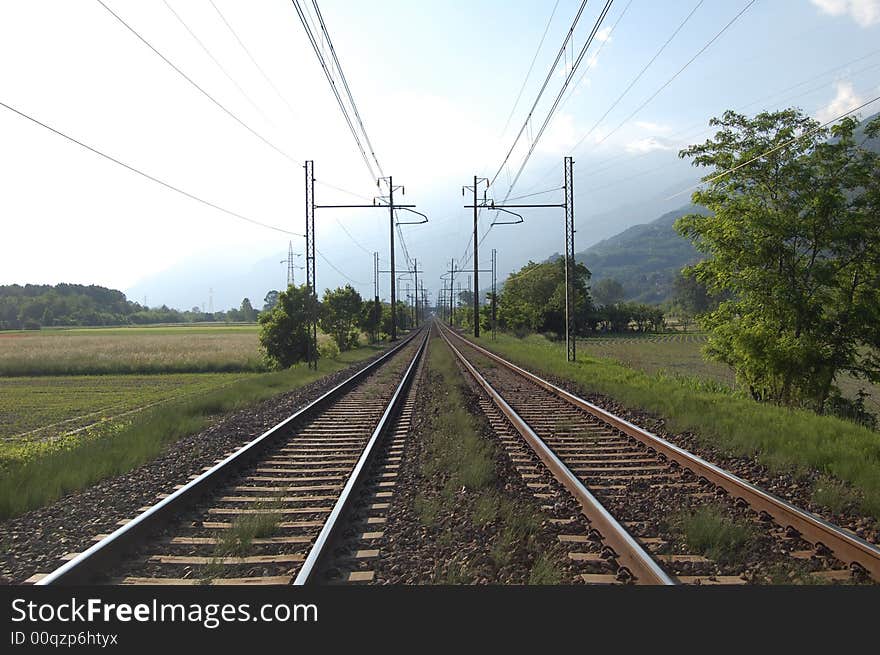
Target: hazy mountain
(191, 282)
(643, 258)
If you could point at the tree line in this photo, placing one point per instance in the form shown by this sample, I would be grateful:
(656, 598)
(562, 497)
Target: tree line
(341, 313)
(32, 306)
(533, 300)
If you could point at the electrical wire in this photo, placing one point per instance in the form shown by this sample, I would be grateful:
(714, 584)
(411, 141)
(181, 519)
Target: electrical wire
(152, 178)
(251, 57)
(525, 125)
(782, 145)
(196, 85)
(531, 67)
(322, 61)
(678, 72)
(336, 268)
(215, 60)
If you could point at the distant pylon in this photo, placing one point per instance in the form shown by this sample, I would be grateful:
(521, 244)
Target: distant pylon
(290, 281)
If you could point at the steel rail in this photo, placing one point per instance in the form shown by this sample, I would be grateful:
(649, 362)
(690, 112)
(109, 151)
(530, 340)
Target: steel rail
(626, 550)
(99, 557)
(847, 547)
(318, 552)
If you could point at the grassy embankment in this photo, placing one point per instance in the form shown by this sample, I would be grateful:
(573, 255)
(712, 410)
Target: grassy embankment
(35, 470)
(456, 453)
(782, 439)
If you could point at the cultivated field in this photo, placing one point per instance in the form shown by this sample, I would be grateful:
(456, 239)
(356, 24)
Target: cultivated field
(46, 407)
(91, 351)
(680, 355)
(77, 405)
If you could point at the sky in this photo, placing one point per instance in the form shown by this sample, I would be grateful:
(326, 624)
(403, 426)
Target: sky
(436, 86)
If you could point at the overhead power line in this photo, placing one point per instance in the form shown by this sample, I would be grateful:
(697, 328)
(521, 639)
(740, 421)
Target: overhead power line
(678, 72)
(561, 93)
(782, 145)
(251, 57)
(152, 178)
(531, 67)
(214, 59)
(198, 87)
(326, 68)
(547, 79)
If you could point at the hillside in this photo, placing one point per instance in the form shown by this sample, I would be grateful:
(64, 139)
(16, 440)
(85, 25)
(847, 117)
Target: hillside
(643, 258)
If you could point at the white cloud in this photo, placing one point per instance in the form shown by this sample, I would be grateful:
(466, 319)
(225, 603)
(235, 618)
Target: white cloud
(863, 12)
(649, 144)
(654, 127)
(844, 100)
(560, 136)
(603, 35)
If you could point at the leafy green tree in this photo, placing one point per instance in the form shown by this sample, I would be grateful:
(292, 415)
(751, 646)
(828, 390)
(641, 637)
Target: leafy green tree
(794, 241)
(284, 335)
(247, 311)
(608, 291)
(533, 299)
(690, 297)
(371, 318)
(340, 315)
(270, 300)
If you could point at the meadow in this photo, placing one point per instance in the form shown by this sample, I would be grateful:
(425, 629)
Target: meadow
(780, 438)
(679, 355)
(78, 405)
(128, 350)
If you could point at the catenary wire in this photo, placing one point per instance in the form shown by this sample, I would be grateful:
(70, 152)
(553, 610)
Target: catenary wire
(152, 178)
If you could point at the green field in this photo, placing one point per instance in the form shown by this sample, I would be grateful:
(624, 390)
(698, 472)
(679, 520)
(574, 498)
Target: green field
(680, 354)
(46, 407)
(77, 405)
(100, 351)
(782, 439)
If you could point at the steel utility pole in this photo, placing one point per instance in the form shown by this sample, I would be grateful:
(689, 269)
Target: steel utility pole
(570, 339)
(494, 292)
(568, 206)
(393, 223)
(311, 292)
(476, 205)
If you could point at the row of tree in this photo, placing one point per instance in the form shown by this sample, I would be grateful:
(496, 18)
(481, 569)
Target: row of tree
(533, 300)
(33, 306)
(341, 314)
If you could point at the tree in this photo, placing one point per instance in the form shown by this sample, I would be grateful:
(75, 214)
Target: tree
(794, 241)
(284, 335)
(371, 318)
(534, 298)
(247, 311)
(608, 291)
(340, 314)
(690, 297)
(270, 300)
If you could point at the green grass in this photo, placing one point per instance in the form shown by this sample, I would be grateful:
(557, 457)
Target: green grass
(459, 456)
(36, 473)
(781, 438)
(709, 532)
(42, 408)
(131, 350)
(544, 571)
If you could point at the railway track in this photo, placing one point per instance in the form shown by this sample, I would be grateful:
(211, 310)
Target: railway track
(630, 484)
(276, 510)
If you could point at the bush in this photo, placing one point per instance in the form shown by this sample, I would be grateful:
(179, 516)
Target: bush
(284, 334)
(328, 350)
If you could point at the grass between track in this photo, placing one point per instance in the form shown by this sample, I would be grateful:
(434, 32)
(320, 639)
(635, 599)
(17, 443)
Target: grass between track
(37, 473)
(457, 453)
(781, 439)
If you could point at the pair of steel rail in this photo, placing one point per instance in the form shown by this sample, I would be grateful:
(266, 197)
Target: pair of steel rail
(99, 558)
(847, 547)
